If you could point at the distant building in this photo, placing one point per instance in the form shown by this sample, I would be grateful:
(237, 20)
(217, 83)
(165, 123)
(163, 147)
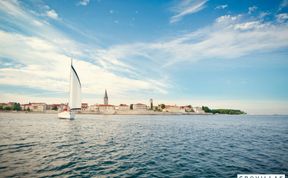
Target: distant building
(106, 108)
(38, 107)
(171, 108)
(139, 107)
(35, 107)
(84, 106)
(56, 107)
(123, 107)
(151, 104)
(3, 105)
(25, 106)
(198, 110)
(53, 107)
(10, 104)
(188, 108)
(106, 97)
(94, 108)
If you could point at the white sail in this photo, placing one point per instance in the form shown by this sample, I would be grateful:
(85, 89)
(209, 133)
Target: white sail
(75, 90)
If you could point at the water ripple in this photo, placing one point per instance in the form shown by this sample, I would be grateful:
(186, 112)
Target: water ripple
(40, 145)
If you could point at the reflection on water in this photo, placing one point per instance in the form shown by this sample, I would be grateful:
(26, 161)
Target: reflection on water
(174, 146)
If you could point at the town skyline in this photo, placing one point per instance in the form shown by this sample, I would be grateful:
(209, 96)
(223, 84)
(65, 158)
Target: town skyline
(204, 53)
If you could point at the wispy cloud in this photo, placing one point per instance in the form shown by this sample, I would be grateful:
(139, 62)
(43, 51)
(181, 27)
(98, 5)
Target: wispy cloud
(283, 4)
(252, 9)
(84, 2)
(185, 8)
(227, 38)
(43, 54)
(224, 6)
(283, 17)
(52, 14)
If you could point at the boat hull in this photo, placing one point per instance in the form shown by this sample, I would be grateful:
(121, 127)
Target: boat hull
(66, 115)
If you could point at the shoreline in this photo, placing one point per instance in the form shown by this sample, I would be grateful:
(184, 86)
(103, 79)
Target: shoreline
(120, 113)
(155, 113)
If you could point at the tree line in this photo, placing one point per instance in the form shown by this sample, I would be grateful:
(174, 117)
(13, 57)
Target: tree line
(14, 107)
(222, 111)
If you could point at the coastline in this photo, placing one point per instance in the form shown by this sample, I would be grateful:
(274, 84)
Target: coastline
(116, 113)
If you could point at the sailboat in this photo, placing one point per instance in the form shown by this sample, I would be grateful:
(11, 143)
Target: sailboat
(75, 96)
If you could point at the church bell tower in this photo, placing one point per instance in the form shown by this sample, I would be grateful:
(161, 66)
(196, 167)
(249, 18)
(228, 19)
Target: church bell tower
(105, 97)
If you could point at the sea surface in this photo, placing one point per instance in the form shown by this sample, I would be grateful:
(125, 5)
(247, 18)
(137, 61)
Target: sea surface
(41, 145)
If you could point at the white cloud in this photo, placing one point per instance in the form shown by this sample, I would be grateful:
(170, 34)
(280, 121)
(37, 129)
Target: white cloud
(249, 25)
(224, 6)
(52, 14)
(283, 4)
(263, 14)
(228, 19)
(283, 17)
(185, 8)
(44, 68)
(84, 2)
(252, 9)
(229, 37)
(44, 58)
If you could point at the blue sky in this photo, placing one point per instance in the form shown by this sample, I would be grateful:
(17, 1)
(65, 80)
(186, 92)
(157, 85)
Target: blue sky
(224, 54)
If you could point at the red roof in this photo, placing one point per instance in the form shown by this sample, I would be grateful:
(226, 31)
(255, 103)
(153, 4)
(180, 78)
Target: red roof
(170, 106)
(140, 104)
(25, 104)
(105, 105)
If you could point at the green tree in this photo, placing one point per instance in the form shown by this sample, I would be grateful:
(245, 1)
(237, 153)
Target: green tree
(190, 109)
(28, 109)
(206, 109)
(54, 108)
(16, 107)
(162, 106)
(1, 107)
(131, 106)
(7, 108)
(222, 111)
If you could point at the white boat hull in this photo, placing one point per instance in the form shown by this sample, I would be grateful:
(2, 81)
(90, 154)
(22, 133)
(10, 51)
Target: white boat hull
(66, 115)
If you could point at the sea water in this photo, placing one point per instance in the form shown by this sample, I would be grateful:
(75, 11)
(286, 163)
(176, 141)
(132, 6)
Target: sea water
(40, 145)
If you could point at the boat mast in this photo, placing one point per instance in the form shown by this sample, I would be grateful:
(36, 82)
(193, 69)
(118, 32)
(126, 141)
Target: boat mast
(70, 78)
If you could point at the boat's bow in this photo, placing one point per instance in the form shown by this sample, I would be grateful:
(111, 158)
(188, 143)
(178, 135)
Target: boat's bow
(66, 115)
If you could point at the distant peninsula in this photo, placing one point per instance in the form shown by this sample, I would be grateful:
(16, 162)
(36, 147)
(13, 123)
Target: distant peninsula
(122, 109)
(222, 111)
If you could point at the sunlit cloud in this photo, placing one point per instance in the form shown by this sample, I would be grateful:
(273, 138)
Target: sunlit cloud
(84, 2)
(186, 7)
(283, 4)
(283, 17)
(252, 9)
(45, 66)
(229, 37)
(224, 6)
(52, 14)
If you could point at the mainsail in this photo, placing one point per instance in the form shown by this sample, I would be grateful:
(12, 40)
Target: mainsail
(75, 90)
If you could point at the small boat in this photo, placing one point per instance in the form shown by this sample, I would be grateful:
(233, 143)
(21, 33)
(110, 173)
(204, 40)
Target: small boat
(75, 96)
